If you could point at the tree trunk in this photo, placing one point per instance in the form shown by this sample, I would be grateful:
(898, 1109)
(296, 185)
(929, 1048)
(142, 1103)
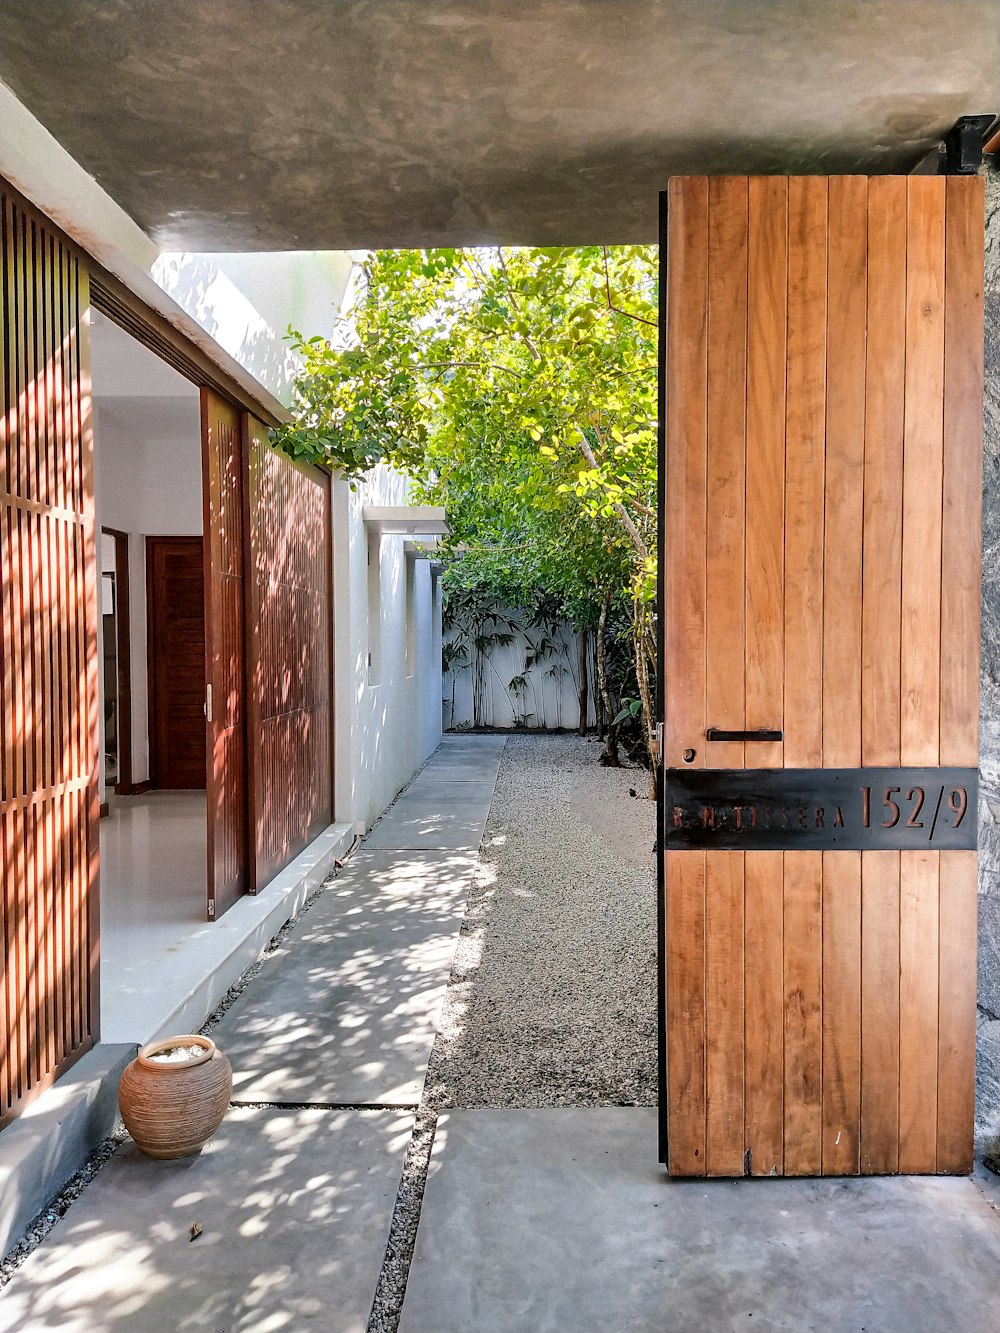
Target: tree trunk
(583, 682)
(609, 758)
(646, 695)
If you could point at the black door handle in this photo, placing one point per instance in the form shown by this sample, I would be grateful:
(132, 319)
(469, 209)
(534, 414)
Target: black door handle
(761, 734)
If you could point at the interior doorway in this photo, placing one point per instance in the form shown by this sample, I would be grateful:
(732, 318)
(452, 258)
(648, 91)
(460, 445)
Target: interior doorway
(148, 482)
(175, 600)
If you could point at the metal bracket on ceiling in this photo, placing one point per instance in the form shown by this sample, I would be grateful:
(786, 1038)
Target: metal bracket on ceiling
(961, 153)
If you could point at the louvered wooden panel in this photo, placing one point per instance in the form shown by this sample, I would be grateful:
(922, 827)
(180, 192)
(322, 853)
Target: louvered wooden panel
(225, 652)
(821, 551)
(48, 672)
(288, 654)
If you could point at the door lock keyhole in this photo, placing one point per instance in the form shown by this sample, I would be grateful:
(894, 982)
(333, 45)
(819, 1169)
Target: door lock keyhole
(688, 756)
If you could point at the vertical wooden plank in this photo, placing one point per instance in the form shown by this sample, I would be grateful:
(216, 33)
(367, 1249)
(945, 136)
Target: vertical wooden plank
(763, 1012)
(918, 1011)
(847, 279)
(726, 504)
(961, 543)
(847, 275)
(841, 1013)
(725, 648)
(686, 468)
(920, 660)
(883, 477)
(805, 471)
(956, 1056)
(90, 611)
(803, 1012)
(880, 671)
(684, 529)
(767, 249)
(725, 1145)
(803, 710)
(765, 459)
(685, 946)
(920, 648)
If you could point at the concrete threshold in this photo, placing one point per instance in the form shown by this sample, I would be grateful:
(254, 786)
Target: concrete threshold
(41, 1150)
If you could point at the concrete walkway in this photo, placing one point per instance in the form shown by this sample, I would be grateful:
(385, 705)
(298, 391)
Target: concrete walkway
(329, 1044)
(560, 1221)
(554, 1220)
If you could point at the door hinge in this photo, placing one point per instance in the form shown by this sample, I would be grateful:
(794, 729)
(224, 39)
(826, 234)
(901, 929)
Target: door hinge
(211, 909)
(208, 703)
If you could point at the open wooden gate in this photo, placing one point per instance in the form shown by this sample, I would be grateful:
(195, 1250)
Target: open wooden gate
(290, 620)
(48, 662)
(821, 550)
(225, 652)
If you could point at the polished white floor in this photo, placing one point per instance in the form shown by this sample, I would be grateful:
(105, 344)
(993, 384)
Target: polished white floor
(164, 966)
(153, 899)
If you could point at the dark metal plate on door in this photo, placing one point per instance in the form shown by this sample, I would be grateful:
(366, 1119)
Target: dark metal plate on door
(820, 809)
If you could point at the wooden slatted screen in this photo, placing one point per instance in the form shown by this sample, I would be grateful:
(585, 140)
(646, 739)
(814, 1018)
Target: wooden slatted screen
(225, 671)
(289, 661)
(48, 664)
(821, 577)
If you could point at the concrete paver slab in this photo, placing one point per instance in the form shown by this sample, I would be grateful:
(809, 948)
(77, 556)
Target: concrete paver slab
(346, 1011)
(447, 804)
(295, 1209)
(427, 825)
(546, 1221)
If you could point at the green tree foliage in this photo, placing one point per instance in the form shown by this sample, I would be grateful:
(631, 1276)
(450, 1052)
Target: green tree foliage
(517, 387)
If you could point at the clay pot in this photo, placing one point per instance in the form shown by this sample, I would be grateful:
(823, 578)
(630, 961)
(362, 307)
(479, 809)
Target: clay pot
(172, 1110)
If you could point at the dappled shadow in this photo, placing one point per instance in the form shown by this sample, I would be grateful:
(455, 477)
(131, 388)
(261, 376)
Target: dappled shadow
(294, 1208)
(346, 1010)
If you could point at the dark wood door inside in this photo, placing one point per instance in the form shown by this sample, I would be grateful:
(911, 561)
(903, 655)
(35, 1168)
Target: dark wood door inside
(176, 617)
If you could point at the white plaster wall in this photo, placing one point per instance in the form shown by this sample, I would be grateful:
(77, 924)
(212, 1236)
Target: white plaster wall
(551, 698)
(387, 722)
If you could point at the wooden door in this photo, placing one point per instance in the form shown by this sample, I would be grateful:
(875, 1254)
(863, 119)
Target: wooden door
(175, 582)
(821, 549)
(225, 665)
(48, 662)
(289, 655)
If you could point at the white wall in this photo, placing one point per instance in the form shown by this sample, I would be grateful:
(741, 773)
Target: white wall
(550, 697)
(388, 722)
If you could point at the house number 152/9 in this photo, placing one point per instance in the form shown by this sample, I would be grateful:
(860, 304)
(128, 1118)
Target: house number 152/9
(912, 806)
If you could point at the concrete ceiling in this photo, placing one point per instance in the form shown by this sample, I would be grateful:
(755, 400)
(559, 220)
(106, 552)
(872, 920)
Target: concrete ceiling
(330, 124)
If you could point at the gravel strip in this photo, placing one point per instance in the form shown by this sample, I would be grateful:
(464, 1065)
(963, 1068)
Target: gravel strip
(552, 998)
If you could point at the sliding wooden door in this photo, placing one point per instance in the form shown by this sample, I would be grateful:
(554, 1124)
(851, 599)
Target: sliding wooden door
(48, 663)
(225, 659)
(821, 550)
(290, 614)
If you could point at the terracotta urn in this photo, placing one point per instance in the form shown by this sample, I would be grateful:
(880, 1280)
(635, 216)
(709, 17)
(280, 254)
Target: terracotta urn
(175, 1094)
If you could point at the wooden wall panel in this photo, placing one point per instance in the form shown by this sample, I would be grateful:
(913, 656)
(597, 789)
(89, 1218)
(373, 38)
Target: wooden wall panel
(225, 668)
(859, 351)
(289, 655)
(48, 671)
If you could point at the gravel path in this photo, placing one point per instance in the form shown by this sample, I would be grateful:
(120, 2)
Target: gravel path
(552, 999)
